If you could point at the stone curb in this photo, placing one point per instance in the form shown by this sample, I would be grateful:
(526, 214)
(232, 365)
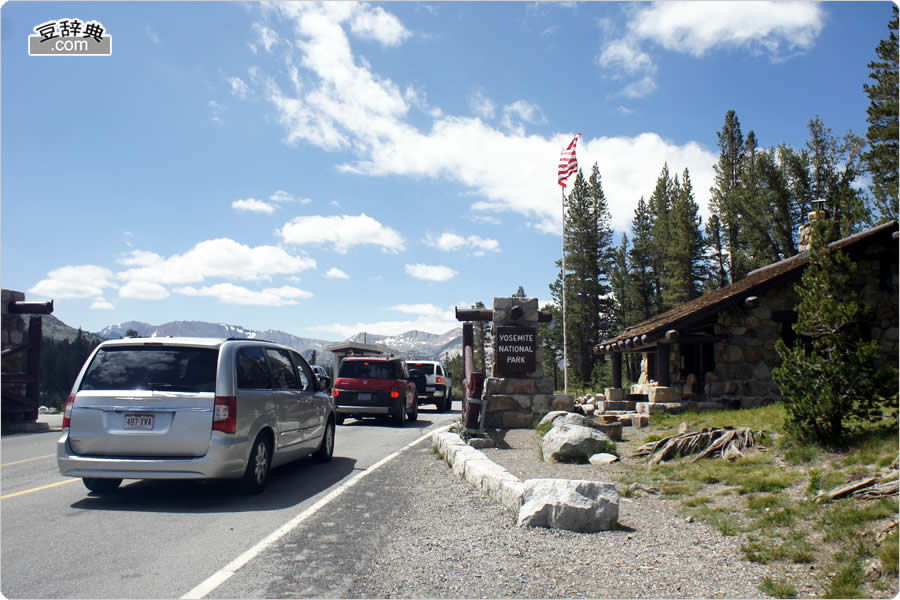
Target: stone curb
(481, 472)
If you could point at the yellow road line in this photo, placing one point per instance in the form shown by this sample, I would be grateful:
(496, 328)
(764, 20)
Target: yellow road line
(27, 460)
(37, 489)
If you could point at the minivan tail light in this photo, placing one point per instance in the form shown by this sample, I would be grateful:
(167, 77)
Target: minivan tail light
(225, 414)
(67, 413)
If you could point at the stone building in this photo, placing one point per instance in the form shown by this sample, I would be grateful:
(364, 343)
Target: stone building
(721, 347)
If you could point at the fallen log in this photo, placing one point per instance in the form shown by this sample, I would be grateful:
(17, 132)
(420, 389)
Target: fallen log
(725, 442)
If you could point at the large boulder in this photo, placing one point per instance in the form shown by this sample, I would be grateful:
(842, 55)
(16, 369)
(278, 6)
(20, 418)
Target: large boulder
(573, 442)
(570, 504)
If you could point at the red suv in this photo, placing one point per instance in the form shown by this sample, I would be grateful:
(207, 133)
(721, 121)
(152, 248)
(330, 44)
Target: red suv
(375, 386)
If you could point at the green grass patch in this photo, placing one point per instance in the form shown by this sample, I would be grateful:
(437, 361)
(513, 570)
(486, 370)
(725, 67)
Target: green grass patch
(696, 501)
(847, 581)
(845, 518)
(764, 418)
(779, 588)
(722, 519)
(543, 428)
(764, 550)
(888, 555)
(682, 488)
(801, 454)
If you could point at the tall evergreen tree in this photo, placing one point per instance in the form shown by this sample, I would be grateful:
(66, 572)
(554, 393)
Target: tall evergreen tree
(882, 135)
(587, 246)
(834, 166)
(520, 293)
(482, 341)
(660, 205)
(725, 195)
(683, 257)
(717, 274)
(619, 280)
(640, 258)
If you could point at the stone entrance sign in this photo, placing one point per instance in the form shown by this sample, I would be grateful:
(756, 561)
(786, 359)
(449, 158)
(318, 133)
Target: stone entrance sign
(516, 350)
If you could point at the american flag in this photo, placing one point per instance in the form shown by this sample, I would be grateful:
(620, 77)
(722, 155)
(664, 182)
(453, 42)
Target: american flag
(568, 163)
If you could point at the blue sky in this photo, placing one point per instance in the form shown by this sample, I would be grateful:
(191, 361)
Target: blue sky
(329, 169)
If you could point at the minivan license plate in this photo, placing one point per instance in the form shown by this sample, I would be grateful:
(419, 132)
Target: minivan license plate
(138, 421)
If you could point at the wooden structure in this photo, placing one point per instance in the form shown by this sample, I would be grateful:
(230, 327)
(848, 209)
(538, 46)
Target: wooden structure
(21, 358)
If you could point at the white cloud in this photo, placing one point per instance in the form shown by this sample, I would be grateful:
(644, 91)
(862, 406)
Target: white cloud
(335, 273)
(430, 272)
(343, 232)
(778, 29)
(451, 241)
(143, 290)
(220, 258)
(282, 197)
(482, 106)
(215, 111)
(377, 24)
(228, 293)
(421, 309)
(346, 106)
(76, 281)
(101, 303)
(238, 87)
(253, 205)
(427, 317)
(697, 27)
(266, 36)
(520, 112)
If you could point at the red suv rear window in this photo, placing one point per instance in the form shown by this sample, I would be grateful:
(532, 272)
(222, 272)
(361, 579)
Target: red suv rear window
(367, 369)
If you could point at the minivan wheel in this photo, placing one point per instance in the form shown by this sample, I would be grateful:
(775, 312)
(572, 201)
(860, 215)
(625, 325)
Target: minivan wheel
(100, 485)
(399, 417)
(257, 474)
(326, 448)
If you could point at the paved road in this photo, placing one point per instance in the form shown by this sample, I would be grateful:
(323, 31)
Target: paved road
(158, 539)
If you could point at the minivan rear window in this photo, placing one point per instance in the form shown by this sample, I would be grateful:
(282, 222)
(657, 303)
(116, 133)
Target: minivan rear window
(165, 368)
(366, 369)
(424, 368)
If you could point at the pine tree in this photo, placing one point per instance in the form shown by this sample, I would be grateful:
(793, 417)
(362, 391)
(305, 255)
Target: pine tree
(641, 260)
(482, 341)
(520, 293)
(683, 257)
(881, 157)
(725, 196)
(717, 275)
(834, 166)
(829, 379)
(660, 205)
(550, 335)
(587, 246)
(619, 280)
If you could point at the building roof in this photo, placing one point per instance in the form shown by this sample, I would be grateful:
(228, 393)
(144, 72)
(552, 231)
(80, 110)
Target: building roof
(691, 313)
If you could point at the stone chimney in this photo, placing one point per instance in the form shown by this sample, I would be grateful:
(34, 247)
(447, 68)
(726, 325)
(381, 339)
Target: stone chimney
(805, 233)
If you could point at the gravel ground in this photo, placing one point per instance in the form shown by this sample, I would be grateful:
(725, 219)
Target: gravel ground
(454, 542)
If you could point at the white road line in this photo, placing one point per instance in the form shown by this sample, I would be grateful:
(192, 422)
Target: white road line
(223, 574)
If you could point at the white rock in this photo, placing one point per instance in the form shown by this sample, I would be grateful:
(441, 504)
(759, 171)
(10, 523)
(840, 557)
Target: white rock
(603, 458)
(573, 505)
(568, 442)
(552, 415)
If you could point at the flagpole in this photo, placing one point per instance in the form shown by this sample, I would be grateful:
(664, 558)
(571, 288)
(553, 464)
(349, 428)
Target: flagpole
(562, 191)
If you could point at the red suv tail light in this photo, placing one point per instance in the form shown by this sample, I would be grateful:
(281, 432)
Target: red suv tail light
(337, 392)
(395, 394)
(67, 413)
(440, 380)
(225, 414)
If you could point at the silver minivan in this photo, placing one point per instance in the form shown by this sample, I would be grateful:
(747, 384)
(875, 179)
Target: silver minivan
(192, 408)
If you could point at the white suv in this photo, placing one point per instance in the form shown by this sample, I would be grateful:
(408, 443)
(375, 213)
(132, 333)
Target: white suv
(437, 384)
